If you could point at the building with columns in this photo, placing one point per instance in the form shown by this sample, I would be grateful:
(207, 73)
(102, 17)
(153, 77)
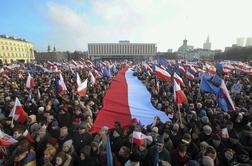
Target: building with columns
(15, 50)
(121, 50)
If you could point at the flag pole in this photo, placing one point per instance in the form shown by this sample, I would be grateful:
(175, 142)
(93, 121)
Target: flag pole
(180, 119)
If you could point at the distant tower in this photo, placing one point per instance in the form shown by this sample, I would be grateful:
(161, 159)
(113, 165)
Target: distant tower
(54, 49)
(48, 48)
(240, 41)
(207, 44)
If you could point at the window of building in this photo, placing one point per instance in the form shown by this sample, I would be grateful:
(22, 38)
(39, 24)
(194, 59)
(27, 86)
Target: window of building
(7, 48)
(2, 47)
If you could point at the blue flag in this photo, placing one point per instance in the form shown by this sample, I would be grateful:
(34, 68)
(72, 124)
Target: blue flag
(219, 67)
(106, 73)
(109, 153)
(224, 99)
(162, 61)
(207, 86)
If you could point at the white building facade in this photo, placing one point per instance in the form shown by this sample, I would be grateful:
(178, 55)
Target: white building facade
(121, 50)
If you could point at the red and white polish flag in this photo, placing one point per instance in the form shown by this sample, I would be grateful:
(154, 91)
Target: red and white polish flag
(181, 69)
(62, 85)
(82, 88)
(178, 79)
(30, 83)
(6, 140)
(78, 79)
(124, 101)
(91, 78)
(189, 75)
(17, 113)
(179, 96)
(162, 73)
(138, 137)
(28, 136)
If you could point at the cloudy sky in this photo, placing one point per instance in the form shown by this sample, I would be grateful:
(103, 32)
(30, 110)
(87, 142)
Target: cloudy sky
(71, 24)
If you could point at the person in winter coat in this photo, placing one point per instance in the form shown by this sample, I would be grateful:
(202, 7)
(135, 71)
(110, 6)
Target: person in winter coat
(192, 149)
(158, 153)
(63, 159)
(82, 138)
(53, 126)
(246, 138)
(49, 155)
(33, 126)
(243, 157)
(64, 118)
(228, 159)
(134, 159)
(179, 156)
(41, 141)
(25, 156)
(64, 136)
(85, 157)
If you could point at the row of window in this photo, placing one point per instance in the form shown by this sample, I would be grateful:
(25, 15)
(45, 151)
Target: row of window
(13, 44)
(121, 49)
(13, 55)
(13, 48)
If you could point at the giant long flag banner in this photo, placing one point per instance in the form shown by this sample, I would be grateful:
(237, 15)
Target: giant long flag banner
(127, 98)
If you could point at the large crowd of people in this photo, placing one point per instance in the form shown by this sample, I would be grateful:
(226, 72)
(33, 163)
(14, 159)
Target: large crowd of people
(59, 125)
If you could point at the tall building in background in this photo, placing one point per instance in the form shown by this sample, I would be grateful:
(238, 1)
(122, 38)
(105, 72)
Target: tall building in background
(249, 41)
(207, 44)
(240, 41)
(121, 50)
(15, 50)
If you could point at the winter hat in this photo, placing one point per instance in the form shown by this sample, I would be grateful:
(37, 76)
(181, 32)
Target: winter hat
(68, 143)
(207, 129)
(53, 141)
(155, 129)
(41, 109)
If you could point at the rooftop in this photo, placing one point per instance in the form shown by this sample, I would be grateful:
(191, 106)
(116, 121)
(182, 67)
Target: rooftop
(13, 38)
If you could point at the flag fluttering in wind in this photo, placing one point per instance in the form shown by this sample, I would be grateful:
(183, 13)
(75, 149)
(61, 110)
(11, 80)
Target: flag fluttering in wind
(78, 79)
(30, 83)
(82, 88)
(6, 139)
(28, 136)
(91, 78)
(106, 73)
(179, 96)
(138, 137)
(224, 99)
(17, 113)
(162, 73)
(189, 75)
(178, 79)
(62, 85)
